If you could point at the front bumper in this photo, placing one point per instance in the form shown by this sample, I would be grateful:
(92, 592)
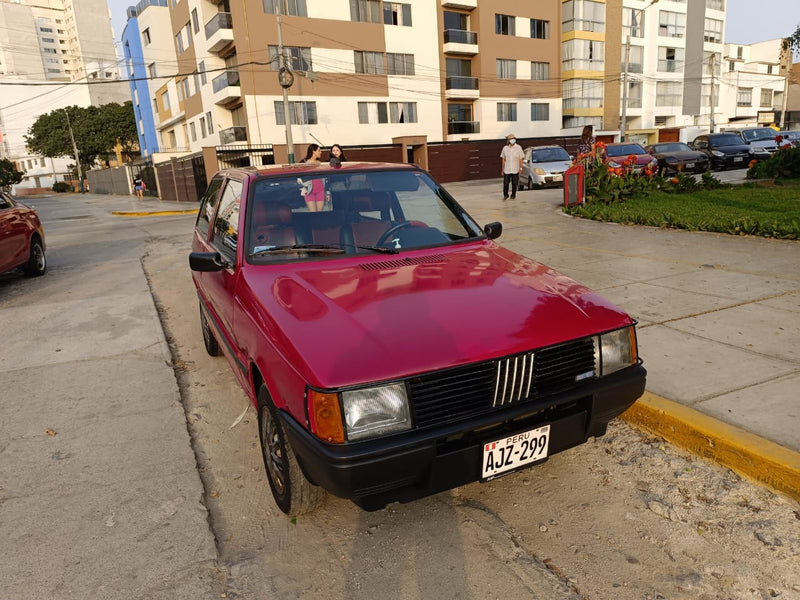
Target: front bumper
(419, 463)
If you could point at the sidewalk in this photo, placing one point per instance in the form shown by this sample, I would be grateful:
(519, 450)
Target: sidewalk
(719, 323)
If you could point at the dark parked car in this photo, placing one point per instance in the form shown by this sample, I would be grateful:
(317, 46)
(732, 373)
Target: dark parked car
(724, 150)
(618, 156)
(21, 237)
(391, 348)
(673, 157)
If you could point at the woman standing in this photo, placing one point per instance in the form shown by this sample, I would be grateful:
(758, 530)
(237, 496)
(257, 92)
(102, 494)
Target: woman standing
(337, 156)
(315, 193)
(587, 143)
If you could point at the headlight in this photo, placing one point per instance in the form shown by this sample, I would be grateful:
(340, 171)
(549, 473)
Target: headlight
(718, 154)
(614, 164)
(538, 171)
(615, 350)
(371, 412)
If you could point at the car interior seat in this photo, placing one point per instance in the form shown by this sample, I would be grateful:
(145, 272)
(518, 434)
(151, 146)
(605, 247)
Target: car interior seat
(272, 224)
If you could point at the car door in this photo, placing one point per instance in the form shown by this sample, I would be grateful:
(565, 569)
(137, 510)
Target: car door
(13, 234)
(701, 145)
(220, 286)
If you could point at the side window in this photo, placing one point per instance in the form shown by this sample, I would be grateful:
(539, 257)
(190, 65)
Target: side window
(225, 235)
(207, 206)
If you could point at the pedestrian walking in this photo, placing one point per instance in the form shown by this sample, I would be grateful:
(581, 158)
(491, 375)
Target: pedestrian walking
(587, 144)
(511, 158)
(138, 185)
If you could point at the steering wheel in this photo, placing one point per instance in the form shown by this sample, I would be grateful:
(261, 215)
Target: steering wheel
(388, 233)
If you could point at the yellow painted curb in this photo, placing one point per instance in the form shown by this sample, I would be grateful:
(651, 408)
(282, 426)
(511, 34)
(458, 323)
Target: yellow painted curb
(150, 213)
(746, 453)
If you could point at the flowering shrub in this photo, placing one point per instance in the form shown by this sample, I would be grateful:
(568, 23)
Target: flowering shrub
(785, 164)
(614, 184)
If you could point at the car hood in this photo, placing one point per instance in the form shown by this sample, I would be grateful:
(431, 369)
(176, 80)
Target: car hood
(351, 321)
(764, 144)
(555, 166)
(734, 149)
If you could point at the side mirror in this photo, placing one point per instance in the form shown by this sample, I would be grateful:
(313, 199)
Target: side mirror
(207, 262)
(493, 230)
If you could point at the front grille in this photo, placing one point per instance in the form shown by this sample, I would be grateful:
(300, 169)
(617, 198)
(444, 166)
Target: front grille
(480, 388)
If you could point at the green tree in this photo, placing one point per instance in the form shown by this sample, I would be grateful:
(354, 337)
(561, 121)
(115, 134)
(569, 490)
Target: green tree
(96, 130)
(9, 174)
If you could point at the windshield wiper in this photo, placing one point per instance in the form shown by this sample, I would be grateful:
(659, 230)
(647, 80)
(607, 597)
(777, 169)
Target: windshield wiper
(379, 249)
(319, 248)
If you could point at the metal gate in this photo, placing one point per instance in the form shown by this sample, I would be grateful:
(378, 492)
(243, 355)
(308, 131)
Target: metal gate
(244, 155)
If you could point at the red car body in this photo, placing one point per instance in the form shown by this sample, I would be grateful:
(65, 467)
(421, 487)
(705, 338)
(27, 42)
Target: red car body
(455, 322)
(22, 242)
(629, 157)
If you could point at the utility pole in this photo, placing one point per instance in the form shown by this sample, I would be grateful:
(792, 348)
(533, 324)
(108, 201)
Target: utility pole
(75, 150)
(713, 99)
(623, 124)
(286, 79)
(786, 62)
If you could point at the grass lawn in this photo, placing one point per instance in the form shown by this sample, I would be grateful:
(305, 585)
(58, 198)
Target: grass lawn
(759, 208)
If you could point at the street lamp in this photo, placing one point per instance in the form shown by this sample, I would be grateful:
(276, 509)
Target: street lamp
(623, 121)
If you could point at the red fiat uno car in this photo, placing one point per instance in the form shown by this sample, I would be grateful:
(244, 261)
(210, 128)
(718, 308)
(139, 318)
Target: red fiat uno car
(391, 348)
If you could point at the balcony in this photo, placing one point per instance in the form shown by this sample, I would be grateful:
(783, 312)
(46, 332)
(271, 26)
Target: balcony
(456, 88)
(460, 127)
(226, 87)
(457, 41)
(232, 135)
(466, 4)
(219, 31)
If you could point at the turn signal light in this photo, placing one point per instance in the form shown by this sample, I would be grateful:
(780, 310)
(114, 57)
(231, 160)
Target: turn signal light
(325, 416)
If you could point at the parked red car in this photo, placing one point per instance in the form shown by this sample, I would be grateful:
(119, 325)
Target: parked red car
(391, 348)
(21, 238)
(628, 157)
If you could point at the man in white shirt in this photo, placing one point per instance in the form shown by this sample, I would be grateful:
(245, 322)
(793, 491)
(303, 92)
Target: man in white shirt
(511, 159)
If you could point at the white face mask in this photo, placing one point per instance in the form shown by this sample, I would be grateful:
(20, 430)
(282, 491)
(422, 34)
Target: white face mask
(512, 141)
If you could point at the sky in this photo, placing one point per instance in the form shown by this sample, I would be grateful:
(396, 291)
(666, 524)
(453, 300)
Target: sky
(747, 21)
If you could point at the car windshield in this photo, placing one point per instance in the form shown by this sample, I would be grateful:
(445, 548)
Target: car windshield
(727, 139)
(672, 147)
(624, 150)
(324, 214)
(541, 155)
(759, 134)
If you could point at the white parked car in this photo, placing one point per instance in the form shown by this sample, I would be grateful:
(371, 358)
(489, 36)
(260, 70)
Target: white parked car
(544, 166)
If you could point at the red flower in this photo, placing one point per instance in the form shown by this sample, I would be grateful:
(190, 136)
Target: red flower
(752, 163)
(779, 138)
(674, 180)
(600, 145)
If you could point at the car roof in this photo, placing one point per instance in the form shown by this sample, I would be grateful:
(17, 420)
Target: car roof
(544, 147)
(295, 168)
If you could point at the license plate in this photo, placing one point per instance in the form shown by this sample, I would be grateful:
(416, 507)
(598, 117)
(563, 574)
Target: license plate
(690, 165)
(737, 159)
(509, 453)
(558, 177)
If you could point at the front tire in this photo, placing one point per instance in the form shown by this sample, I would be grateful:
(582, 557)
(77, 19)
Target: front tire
(37, 264)
(293, 493)
(209, 341)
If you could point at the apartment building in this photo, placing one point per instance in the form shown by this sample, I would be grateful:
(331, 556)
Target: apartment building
(66, 48)
(754, 85)
(363, 71)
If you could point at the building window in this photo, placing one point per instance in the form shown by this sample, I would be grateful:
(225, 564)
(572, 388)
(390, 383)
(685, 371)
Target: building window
(633, 22)
(670, 60)
(506, 69)
(403, 112)
(201, 68)
(713, 31)
(770, 69)
(583, 15)
(203, 127)
(165, 101)
(671, 24)
(582, 93)
(49, 50)
(705, 95)
(456, 21)
(399, 64)
(540, 29)
(193, 131)
(155, 106)
(715, 4)
(300, 58)
(295, 7)
(668, 93)
(372, 112)
(179, 42)
(370, 63)
(635, 59)
(302, 113)
(49, 40)
(540, 112)
(540, 71)
(744, 97)
(185, 86)
(368, 11)
(740, 52)
(506, 111)
(195, 22)
(504, 25)
(151, 70)
(583, 54)
(395, 13)
(187, 29)
(635, 94)
(731, 66)
(766, 98)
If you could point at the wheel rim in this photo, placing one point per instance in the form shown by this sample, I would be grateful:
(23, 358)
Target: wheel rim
(273, 451)
(38, 257)
(206, 329)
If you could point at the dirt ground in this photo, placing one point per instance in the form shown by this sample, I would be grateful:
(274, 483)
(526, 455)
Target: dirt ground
(626, 516)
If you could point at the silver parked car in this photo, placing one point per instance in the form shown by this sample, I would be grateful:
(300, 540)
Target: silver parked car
(544, 166)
